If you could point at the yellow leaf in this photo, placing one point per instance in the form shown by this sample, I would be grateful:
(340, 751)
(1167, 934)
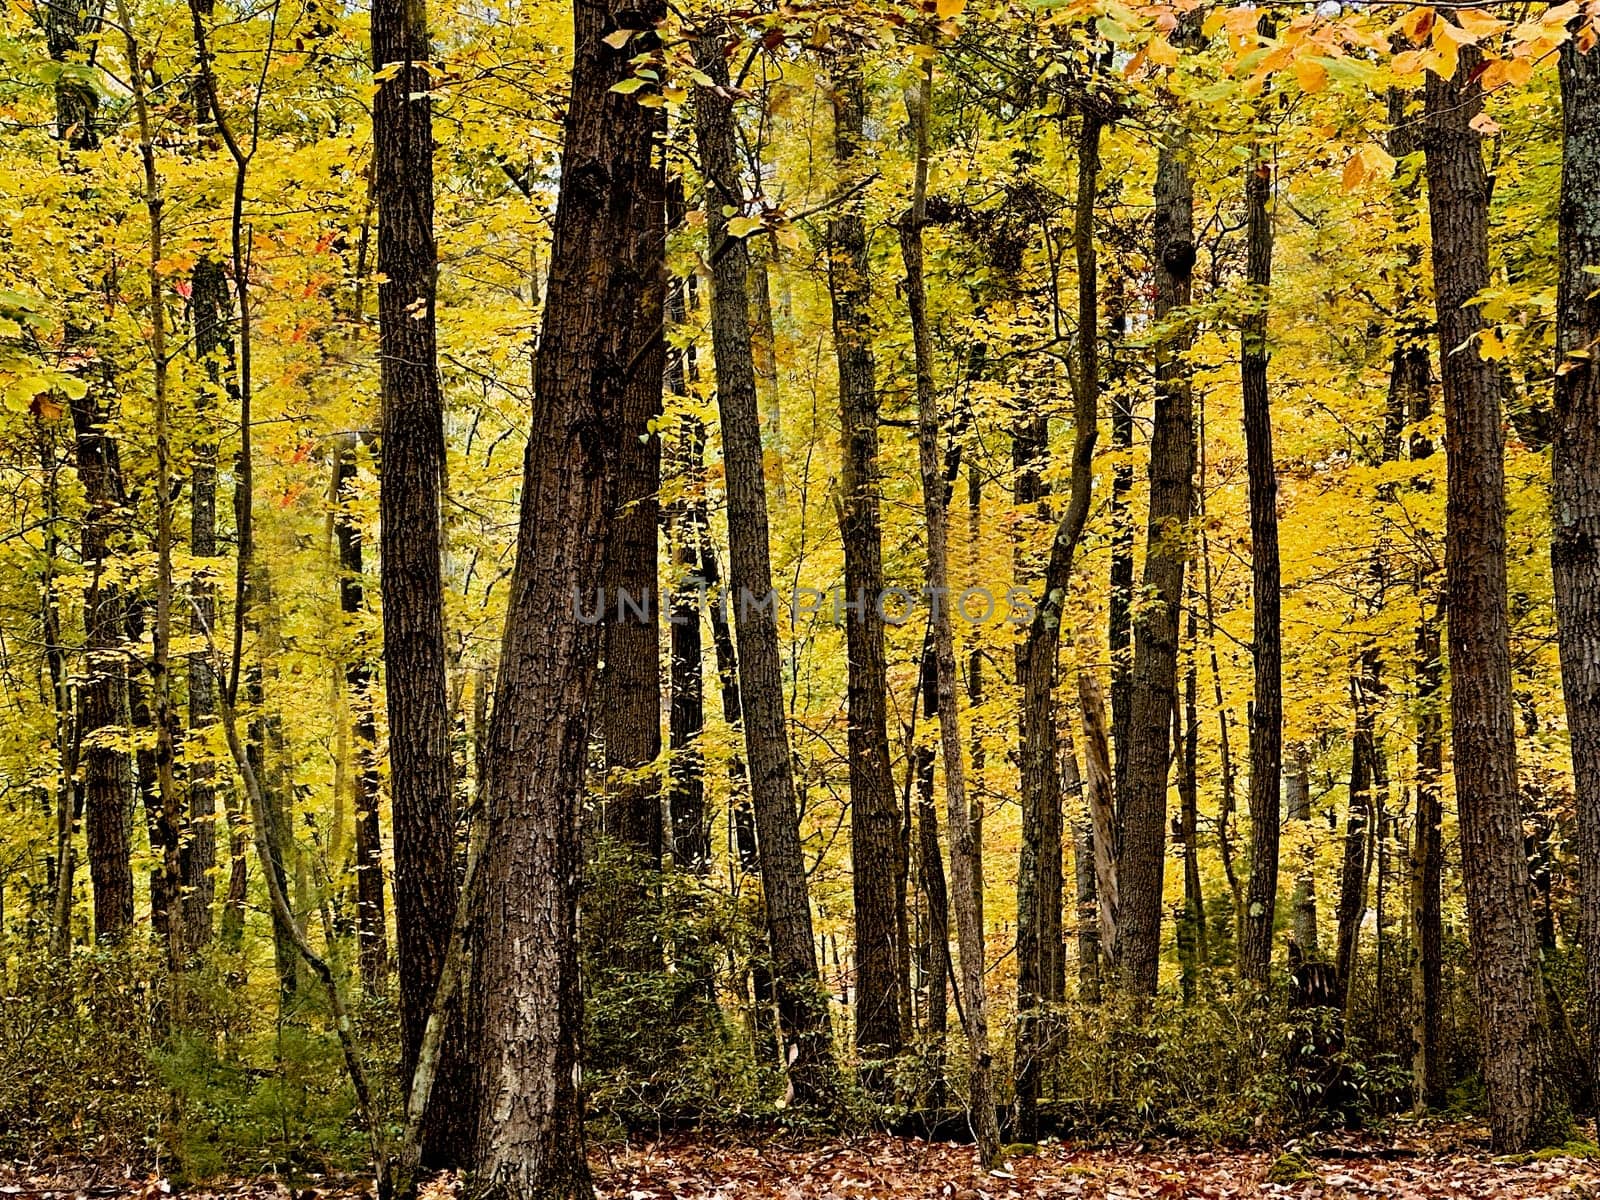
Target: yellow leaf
(1311, 75)
(743, 226)
(1416, 24)
(628, 86)
(1408, 62)
(617, 39)
(1479, 23)
(1484, 124)
(1354, 172)
(949, 8)
(1162, 52)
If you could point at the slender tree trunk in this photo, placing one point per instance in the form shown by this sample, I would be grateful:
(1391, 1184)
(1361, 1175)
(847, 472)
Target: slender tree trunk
(1155, 653)
(802, 1002)
(936, 964)
(372, 939)
(1122, 399)
(686, 795)
(1575, 542)
(1522, 1099)
(1297, 786)
(966, 862)
(1266, 723)
(875, 844)
(530, 1121)
(1101, 807)
(422, 778)
(209, 306)
(1186, 736)
(1355, 875)
(1039, 873)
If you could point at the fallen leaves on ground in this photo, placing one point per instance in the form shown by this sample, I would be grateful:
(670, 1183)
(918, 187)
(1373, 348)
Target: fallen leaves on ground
(1434, 1162)
(1405, 1168)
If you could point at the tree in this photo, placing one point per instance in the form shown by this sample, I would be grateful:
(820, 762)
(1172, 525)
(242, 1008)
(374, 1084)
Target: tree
(1575, 473)
(1522, 1101)
(802, 1005)
(1266, 715)
(422, 776)
(530, 1123)
(877, 851)
(1154, 681)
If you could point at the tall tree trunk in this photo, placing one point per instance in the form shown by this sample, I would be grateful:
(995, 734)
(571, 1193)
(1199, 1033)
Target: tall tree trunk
(1039, 884)
(102, 697)
(1122, 398)
(1155, 652)
(1522, 1099)
(875, 844)
(372, 939)
(1266, 715)
(966, 848)
(530, 1121)
(936, 964)
(630, 675)
(208, 306)
(686, 793)
(422, 778)
(1100, 800)
(1575, 541)
(802, 1003)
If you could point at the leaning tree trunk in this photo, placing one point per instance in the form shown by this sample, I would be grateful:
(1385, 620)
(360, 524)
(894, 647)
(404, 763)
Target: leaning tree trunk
(1522, 1097)
(875, 844)
(1575, 462)
(530, 1120)
(1154, 680)
(422, 776)
(1266, 715)
(802, 1003)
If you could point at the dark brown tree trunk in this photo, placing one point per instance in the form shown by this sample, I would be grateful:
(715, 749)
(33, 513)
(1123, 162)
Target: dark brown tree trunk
(372, 939)
(1575, 541)
(1122, 398)
(802, 1003)
(209, 306)
(1522, 1100)
(1266, 714)
(530, 1120)
(875, 843)
(1104, 846)
(1354, 874)
(630, 674)
(1194, 955)
(686, 795)
(422, 777)
(936, 964)
(103, 695)
(1154, 681)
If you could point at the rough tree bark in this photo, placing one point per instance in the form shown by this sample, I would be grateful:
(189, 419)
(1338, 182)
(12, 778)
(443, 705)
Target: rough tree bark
(1266, 715)
(422, 776)
(876, 849)
(1154, 681)
(530, 1121)
(1575, 541)
(802, 1003)
(1522, 1097)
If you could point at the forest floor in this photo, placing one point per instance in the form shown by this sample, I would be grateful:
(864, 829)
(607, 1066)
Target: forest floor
(1434, 1161)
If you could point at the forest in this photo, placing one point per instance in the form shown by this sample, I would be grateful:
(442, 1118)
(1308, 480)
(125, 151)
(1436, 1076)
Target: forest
(824, 598)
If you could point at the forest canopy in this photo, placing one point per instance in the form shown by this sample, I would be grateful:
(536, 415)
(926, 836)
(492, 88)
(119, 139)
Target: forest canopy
(999, 571)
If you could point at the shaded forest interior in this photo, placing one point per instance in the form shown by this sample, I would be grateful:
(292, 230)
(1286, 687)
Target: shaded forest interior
(992, 572)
